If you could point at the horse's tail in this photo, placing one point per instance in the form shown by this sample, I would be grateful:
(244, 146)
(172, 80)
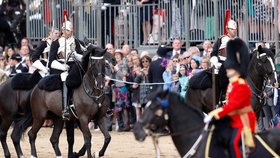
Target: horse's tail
(24, 122)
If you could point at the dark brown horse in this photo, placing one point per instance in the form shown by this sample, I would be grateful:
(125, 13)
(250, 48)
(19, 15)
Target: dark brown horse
(261, 71)
(89, 103)
(14, 104)
(188, 131)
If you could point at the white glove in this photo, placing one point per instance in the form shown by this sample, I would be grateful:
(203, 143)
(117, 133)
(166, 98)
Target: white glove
(63, 76)
(207, 118)
(38, 65)
(66, 67)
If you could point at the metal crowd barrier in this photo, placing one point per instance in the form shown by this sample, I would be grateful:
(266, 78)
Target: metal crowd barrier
(160, 22)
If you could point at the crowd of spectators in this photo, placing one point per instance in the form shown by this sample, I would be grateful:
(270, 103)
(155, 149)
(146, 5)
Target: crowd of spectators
(136, 73)
(140, 70)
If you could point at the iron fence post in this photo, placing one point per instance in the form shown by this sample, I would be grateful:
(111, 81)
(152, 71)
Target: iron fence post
(277, 54)
(216, 19)
(98, 22)
(187, 23)
(246, 29)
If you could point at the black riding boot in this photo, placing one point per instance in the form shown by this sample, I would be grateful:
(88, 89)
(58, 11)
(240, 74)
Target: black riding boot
(65, 112)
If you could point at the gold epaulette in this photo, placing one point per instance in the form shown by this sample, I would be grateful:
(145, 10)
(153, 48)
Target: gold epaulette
(241, 81)
(44, 39)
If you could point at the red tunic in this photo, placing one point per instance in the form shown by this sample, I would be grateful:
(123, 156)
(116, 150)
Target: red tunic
(239, 103)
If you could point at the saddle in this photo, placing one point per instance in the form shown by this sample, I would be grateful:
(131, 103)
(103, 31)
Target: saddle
(25, 81)
(50, 83)
(53, 82)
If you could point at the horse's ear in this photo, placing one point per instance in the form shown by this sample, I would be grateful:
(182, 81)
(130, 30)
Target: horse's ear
(260, 50)
(104, 51)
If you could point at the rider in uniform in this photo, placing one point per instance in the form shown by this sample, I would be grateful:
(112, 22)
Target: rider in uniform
(42, 50)
(220, 53)
(238, 98)
(63, 53)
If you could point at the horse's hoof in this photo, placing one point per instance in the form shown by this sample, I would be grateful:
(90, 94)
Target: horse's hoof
(96, 154)
(75, 155)
(32, 156)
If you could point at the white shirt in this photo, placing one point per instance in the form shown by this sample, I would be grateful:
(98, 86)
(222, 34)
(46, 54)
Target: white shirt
(174, 52)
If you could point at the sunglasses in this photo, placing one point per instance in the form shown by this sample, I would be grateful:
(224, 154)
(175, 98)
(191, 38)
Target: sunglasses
(145, 61)
(187, 57)
(175, 61)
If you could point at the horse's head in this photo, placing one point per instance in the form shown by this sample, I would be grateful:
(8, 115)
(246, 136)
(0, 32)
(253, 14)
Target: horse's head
(154, 117)
(96, 65)
(265, 65)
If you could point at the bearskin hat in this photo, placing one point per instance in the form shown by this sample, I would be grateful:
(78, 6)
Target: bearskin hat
(237, 56)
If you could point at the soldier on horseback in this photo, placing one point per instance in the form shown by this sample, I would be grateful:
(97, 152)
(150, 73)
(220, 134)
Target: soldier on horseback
(238, 98)
(43, 49)
(220, 54)
(63, 53)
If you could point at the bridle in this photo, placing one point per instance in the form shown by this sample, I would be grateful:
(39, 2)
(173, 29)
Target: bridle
(155, 136)
(100, 93)
(259, 93)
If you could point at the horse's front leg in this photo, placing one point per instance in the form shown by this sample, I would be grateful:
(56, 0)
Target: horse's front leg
(87, 135)
(57, 129)
(107, 138)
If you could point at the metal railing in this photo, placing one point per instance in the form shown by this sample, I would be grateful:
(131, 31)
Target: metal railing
(160, 22)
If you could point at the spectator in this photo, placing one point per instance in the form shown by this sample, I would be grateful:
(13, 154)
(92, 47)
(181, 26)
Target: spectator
(194, 66)
(8, 54)
(146, 13)
(126, 49)
(167, 76)
(144, 91)
(134, 52)
(3, 76)
(175, 61)
(3, 63)
(25, 42)
(110, 48)
(185, 59)
(24, 53)
(135, 60)
(121, 93)
(16, 65)
(177, 49)
(195, 51)
(183, 81)
(175, 87)
(156, 69)
(269, 107)
(204, 63)
(206, 46)
(144, 53)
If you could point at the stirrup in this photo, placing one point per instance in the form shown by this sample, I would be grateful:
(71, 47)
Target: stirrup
(65, 115)
(109, 112)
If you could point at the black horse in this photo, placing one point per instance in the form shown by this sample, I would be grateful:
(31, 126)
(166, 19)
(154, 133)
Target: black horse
(187, 128)
(261, 72)
(14, 105)
(89, 103)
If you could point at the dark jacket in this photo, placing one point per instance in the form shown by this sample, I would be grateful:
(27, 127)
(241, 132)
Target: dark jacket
(54, 54)
(39, 51)
(155, 73)
(19, 69)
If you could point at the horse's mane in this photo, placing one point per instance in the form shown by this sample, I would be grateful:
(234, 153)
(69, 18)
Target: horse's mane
(85, 59)
(176, 98)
